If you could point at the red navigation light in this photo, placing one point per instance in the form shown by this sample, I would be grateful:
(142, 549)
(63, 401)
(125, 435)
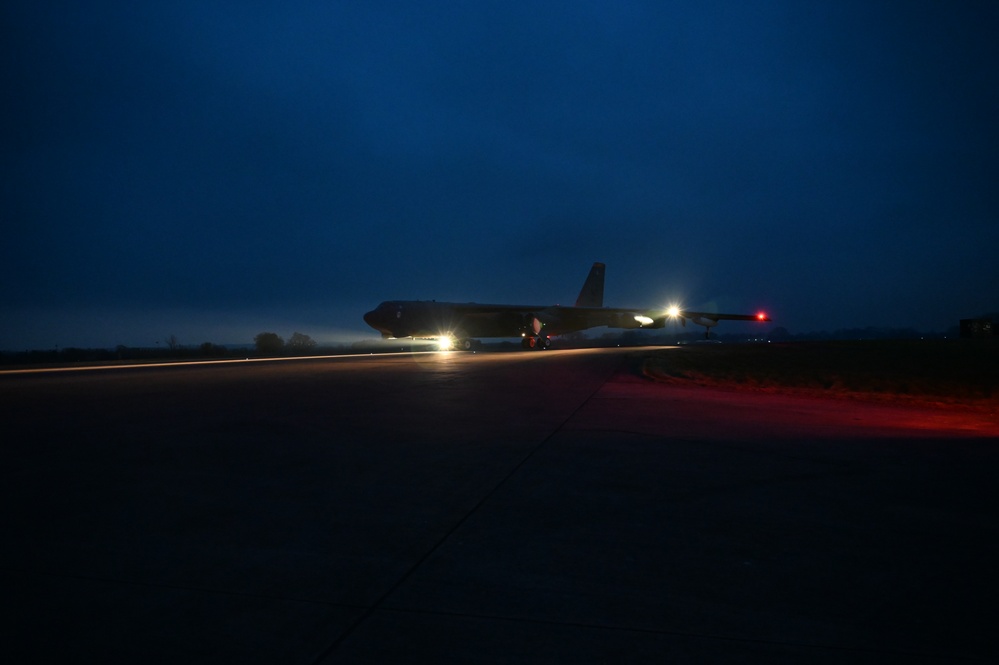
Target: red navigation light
(761, 316)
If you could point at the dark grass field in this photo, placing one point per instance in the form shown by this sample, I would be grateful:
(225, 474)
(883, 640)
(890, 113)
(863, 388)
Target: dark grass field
(925, 371)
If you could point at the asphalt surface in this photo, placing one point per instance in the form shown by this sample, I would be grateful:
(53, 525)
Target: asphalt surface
(531, 507)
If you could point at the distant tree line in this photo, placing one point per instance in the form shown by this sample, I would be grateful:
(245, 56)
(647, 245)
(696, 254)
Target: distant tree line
(272, 344)
(73, 355)
(265, 344)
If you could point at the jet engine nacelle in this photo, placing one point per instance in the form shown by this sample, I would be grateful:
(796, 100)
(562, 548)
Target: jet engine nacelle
(702, 321)
(634, 320)
(532, 325)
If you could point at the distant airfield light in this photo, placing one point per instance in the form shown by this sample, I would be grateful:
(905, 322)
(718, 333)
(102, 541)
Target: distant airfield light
(644, 320)
(673, 311)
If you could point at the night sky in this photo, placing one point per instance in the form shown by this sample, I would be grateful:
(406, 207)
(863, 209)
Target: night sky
(212, 170)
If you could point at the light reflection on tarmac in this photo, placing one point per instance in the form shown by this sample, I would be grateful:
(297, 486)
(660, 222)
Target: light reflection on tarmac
(192, 363)
(427, 356)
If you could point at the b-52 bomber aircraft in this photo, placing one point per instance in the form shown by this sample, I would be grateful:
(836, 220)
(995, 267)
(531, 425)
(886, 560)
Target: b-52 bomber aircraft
(460, 324)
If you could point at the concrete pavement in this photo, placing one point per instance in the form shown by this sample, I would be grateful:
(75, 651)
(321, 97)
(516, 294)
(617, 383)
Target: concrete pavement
(521, 507)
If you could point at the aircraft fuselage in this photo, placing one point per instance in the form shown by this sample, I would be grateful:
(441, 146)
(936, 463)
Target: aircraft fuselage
(533, 323)
(422, 318)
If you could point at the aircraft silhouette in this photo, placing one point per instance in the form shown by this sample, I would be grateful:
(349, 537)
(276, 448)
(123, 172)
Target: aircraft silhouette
(461, 324)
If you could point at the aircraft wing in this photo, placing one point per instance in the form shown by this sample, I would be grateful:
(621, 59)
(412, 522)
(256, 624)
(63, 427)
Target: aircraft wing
(711, 316)
(709, 319)
(564, 319)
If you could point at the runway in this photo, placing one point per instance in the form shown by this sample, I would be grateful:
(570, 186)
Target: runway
(494, 507)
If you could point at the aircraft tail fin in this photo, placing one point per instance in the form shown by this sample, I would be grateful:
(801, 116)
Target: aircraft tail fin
(592, 294)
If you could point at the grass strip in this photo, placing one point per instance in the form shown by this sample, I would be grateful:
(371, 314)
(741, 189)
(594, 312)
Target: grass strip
(949, 371)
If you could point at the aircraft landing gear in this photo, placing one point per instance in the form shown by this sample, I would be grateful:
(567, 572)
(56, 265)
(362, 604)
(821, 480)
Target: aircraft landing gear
(539, 342)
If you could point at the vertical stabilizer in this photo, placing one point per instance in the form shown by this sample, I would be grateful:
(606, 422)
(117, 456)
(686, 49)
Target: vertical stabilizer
(592, 294)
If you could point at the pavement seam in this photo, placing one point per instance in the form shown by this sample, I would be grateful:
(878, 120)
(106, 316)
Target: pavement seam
(349, 630)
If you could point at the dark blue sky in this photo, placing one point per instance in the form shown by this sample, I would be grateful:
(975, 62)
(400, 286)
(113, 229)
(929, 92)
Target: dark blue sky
(215, 169)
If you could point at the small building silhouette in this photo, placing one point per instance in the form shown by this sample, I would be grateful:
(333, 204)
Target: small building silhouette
(977, 328)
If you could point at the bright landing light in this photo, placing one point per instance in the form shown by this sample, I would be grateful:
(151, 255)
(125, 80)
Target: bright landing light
(445, 343)
(673, 311)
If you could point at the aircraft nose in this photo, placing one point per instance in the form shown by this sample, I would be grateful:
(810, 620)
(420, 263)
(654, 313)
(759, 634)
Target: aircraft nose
(376, 320)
